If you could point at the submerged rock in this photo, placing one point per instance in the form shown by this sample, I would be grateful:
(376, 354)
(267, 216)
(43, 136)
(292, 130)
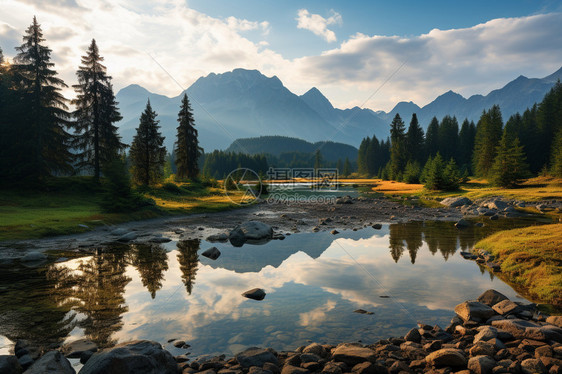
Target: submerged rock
(255, 294)
(251, 231)
(222, 237)
(213, 253)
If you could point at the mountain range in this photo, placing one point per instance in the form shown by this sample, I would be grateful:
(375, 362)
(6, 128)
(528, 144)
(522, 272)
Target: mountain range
(245, 104)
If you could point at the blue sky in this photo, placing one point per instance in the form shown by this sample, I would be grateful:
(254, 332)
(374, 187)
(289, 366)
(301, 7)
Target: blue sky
(347, 49)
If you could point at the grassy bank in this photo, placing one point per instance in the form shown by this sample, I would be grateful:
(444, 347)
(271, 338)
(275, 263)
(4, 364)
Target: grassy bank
(66, 205)
(531, 258)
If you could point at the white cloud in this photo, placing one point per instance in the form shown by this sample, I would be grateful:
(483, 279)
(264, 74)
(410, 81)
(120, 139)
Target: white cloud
(469, 61)
(318, 24)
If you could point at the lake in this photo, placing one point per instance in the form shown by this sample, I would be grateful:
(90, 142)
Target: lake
(403, 273)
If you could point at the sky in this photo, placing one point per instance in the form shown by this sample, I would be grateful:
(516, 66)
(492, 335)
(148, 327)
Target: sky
(358, 53)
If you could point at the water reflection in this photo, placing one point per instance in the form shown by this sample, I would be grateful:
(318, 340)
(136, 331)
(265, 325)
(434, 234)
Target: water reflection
(312, 288)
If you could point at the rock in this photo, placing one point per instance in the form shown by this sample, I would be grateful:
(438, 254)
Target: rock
(377, 226)
(52, 362)
(334, 232)
(495, 204)
(532, 366)
(332, 368)
(495, 217)
(454, 202)
(128, 237)
(255, 294)
(178, 343)
(520, 328)
(364, 368)
(413, 336)
(119, 232)
(482, 348)
(485, 333)
(34, 257)
(474, 311)
(481, 365)
(159, 239)
(362, 311)
(462, 223)
(85, 356)
(352, 354)
(252, 231)
(289, 369)
(555, 320)
(447, 357)
(136, 357)
(77, 347)
(506, 307)
(399, 367)
(25, 361)
(544, 351)
(213, 253)
(316, 349)
(272, 368)
(10, 365)
(344, 200)
(222, 237)
(256, 357)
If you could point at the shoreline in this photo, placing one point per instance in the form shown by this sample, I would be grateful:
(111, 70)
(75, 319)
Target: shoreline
(489, 335)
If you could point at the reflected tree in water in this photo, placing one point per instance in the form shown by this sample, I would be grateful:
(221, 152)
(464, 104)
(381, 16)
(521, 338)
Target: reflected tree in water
(188, 260)
(151, 261)
(414, 239)
(31, 307)
(396, 241)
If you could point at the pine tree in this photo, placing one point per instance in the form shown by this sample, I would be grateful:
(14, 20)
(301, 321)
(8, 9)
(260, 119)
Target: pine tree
(398, 147)
(488, 135)
(95, 114)
(466, 144)
(415, 140)
(432, 138)
(509, 166)
(549, 122)
(448, 137)
(44, 143)
(187, 149)
(317, 159)
(556, 155)
(148, 155)
(346, 168)
(433, 179)
(362, 156)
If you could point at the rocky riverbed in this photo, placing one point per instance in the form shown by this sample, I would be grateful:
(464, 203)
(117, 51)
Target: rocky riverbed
(345, 214)
(490, 335)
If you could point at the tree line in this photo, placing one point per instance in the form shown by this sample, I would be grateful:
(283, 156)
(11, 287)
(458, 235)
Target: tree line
(42, 137)
(444, 156)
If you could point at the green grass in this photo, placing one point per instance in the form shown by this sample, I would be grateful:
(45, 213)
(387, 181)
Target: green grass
(63, 204)
(531, 258)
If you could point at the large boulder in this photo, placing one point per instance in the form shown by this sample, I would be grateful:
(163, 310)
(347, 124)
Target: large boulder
(474, 311)
(251, 231)
(454, 202)
(213, 253)
(491, 297)
(555, 320)
(255, 357)
(352, 354)
(255, 294)
(497, 204)
(52, 362)
(10, 365)
(481, 364)
(136, 357)
(523, 329)
(447, 357)
(506, 307)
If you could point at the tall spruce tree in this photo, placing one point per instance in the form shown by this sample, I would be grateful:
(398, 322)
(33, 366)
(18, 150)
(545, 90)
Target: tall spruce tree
(549, 122)
(187, 149)
(556, 155)
(415, 141)
(509, 166)
(398, 146)
(95, 114)
(347, 167)
(488, 135)
(466, 144)
(147, 154)
(432, 138)
(43, 143)
(362, 156)
(448, 137)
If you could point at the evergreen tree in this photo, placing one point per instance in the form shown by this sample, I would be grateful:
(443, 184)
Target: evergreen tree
(148, 155)
(433, 179)
(346, 168)
(372, 156)
(398, 147)
(556, 157)
(432, 138)
(488, 135)
(187, 149)
(448, 137)
(317, 159)
(95, 114)
(466, 144)
(451, 176)
(362, 156)
(415, 140)
(43, 143)
(549, 122)
(412, 172)
(509, 165)
(339, 166)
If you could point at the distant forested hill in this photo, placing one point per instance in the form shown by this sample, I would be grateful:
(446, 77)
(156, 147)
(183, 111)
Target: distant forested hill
(277, 145)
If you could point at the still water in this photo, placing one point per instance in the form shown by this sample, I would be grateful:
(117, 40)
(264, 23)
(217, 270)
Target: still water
(403, 273)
